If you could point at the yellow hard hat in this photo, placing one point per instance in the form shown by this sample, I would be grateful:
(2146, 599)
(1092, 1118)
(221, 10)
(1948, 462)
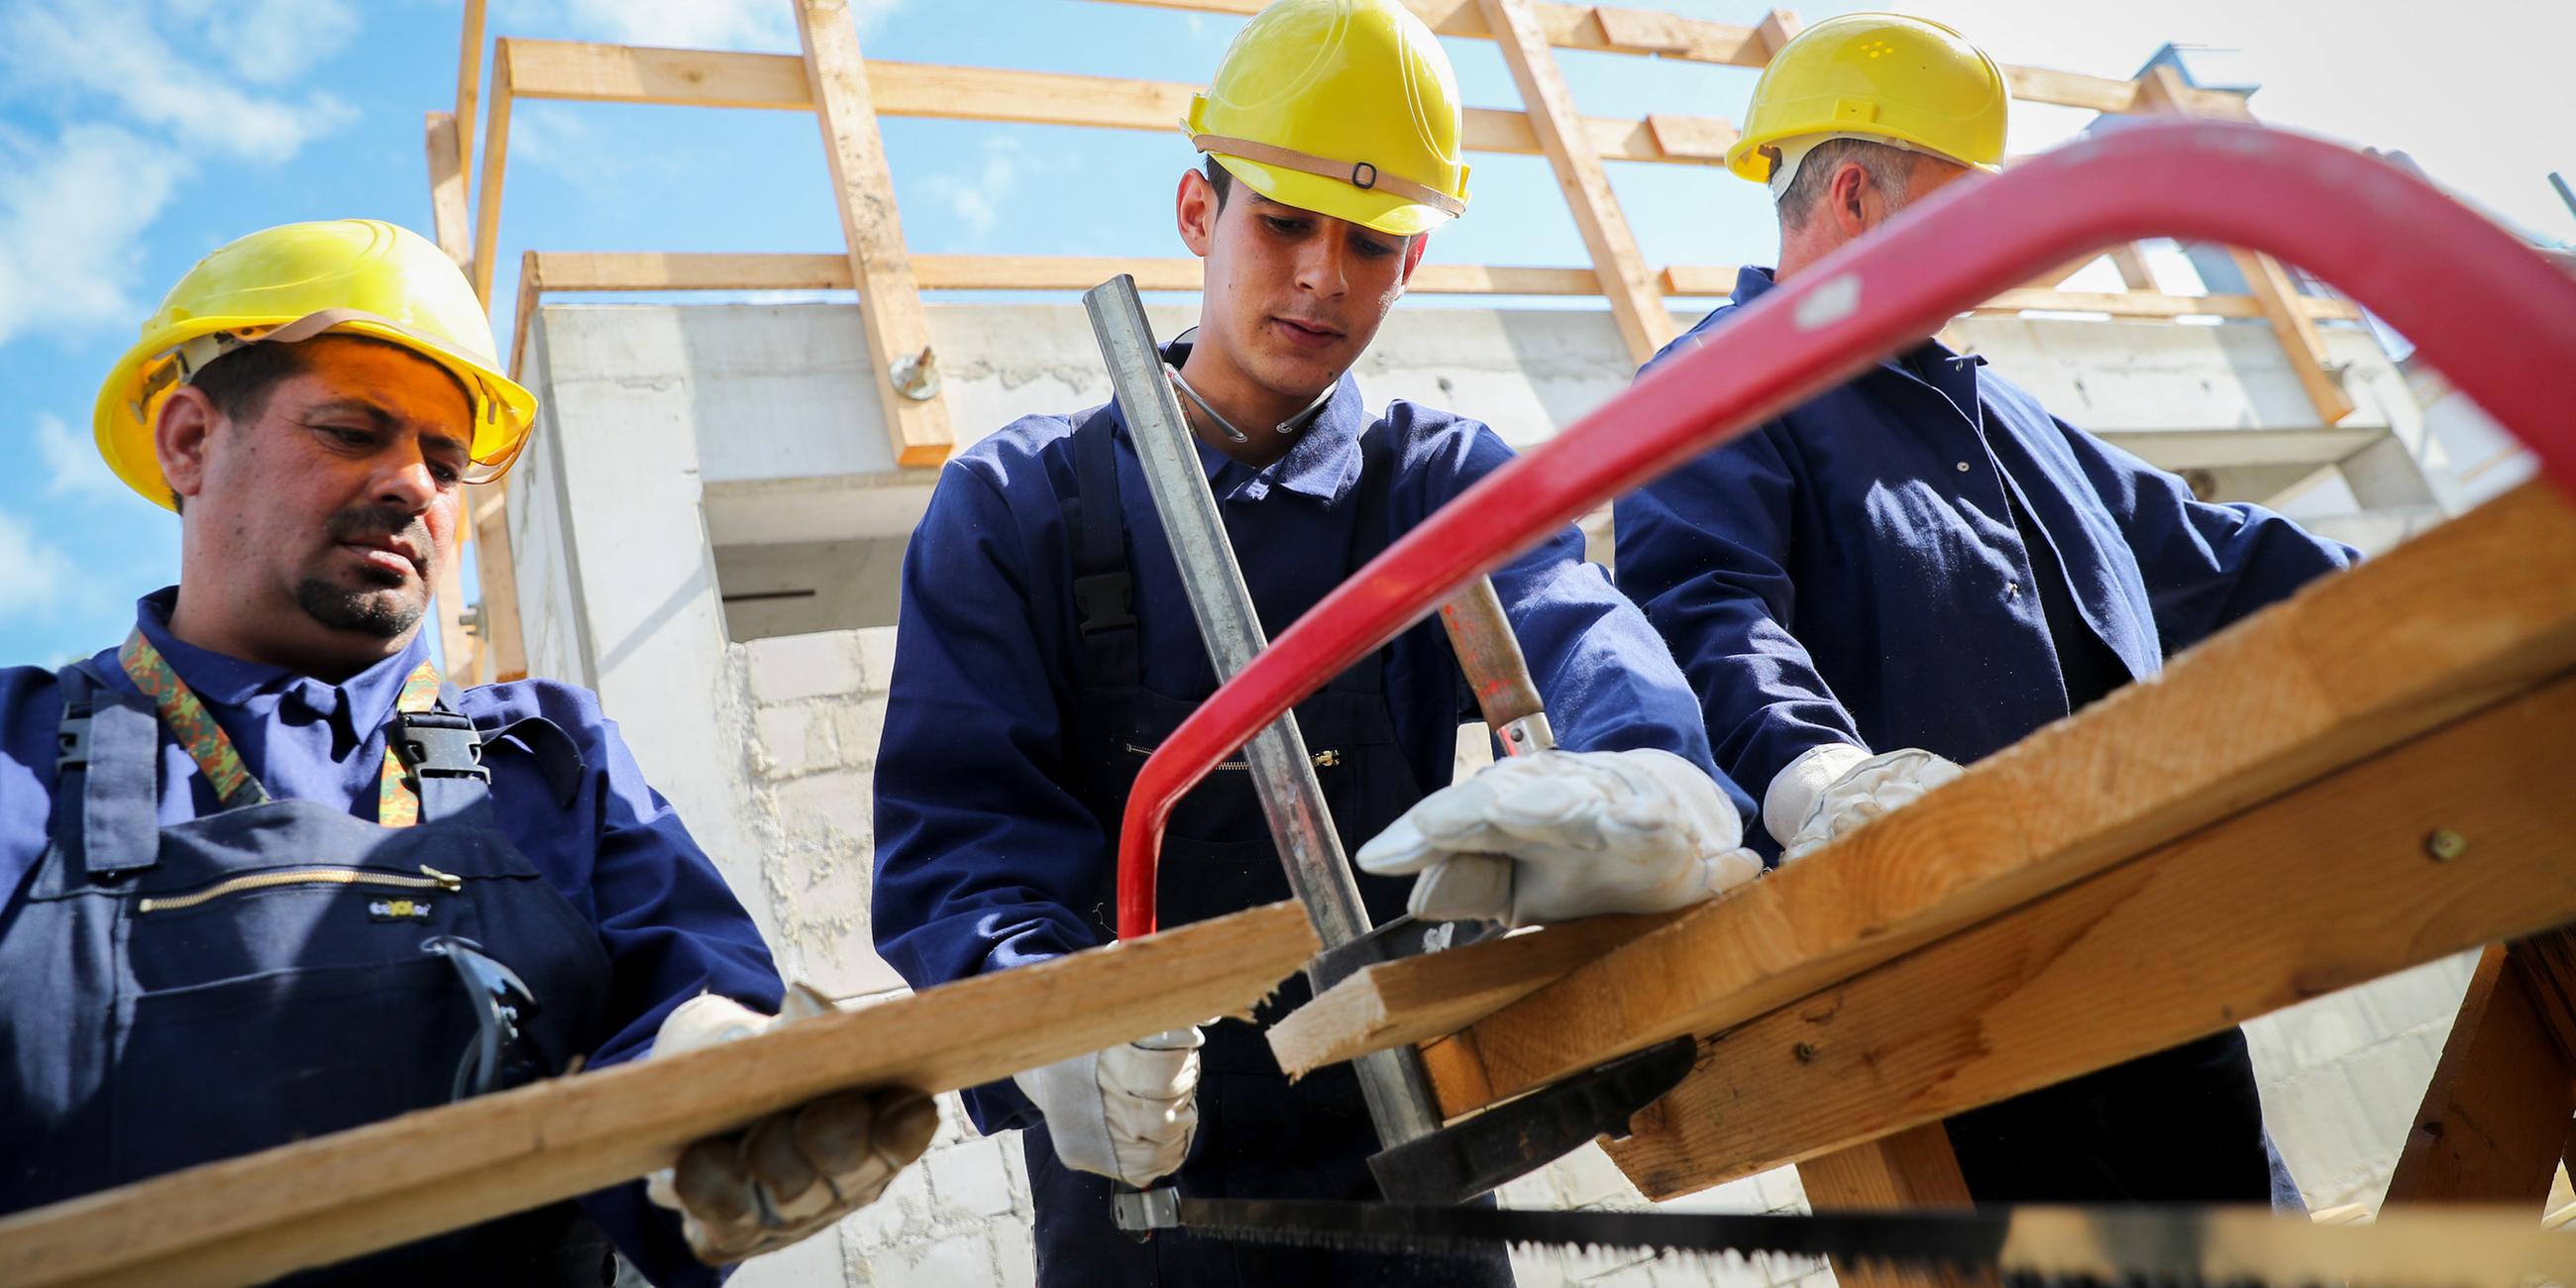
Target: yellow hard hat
(1343, 107)
(1879, 76)
(293, 282)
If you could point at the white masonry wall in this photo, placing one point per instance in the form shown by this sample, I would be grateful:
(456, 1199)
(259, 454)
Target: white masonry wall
(672, 431)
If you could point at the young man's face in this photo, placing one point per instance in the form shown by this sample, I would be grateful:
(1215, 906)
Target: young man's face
(1293, 296)
(332, 509)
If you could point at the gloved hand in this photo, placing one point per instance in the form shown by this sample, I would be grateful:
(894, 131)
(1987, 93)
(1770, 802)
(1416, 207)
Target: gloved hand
(794, 1172)
(1562, 834)
(1128, 1112)
(1834, 790)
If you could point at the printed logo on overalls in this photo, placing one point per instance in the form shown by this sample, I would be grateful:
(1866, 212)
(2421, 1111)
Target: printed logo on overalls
(411, 911)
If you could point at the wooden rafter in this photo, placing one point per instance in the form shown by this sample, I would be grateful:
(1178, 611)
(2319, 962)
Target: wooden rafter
(1644, 322)
(1657, 33)
(2089, 976)
(2458, 618)
(442, 141)
(898, 336)
(591, 73)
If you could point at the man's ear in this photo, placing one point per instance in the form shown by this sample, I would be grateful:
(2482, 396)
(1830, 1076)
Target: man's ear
(182, 432)
(1852, 200)
(1195, 209)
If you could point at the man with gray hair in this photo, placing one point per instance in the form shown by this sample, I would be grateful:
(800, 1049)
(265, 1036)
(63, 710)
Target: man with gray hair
(1920, 568)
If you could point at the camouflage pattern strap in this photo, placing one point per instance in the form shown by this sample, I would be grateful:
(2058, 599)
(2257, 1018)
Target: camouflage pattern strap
(397, 793)
(190, 723)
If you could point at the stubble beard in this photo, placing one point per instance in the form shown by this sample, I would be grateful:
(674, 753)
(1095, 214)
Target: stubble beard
(381, 611)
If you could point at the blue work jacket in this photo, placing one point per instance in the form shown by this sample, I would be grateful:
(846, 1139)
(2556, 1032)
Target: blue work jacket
(581, 813)
(1852, 572)
(986, 856)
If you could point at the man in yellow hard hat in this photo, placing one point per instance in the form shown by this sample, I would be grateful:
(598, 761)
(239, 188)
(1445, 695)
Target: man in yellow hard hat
(1923, 566)
(264, 875)
(1045, 647)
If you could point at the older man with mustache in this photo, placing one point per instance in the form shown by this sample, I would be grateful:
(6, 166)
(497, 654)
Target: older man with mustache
(264, 875)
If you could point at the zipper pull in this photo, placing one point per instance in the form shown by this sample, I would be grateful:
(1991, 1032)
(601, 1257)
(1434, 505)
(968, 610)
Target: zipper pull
(447, 881)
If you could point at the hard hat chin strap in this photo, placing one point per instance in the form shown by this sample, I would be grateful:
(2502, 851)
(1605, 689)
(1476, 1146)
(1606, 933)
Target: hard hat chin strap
(1358, 174)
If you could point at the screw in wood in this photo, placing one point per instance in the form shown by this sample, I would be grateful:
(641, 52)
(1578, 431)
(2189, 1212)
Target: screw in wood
(2445, 844)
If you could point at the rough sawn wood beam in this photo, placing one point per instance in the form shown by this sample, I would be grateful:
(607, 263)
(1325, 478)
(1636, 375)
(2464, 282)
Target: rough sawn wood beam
(249, 1219)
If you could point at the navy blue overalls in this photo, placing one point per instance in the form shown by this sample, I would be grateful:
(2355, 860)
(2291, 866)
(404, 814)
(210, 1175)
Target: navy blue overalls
(259, 975)
(1259, 1135)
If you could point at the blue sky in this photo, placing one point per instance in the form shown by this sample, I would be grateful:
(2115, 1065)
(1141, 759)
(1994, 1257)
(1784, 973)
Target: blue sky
(135, 135)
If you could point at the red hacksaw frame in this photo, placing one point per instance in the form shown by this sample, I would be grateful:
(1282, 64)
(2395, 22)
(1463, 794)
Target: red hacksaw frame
(2480, 306)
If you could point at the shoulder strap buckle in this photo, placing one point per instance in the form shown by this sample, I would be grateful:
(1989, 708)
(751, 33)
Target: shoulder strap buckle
(1105, 601)
(71, 739)
(439, 744)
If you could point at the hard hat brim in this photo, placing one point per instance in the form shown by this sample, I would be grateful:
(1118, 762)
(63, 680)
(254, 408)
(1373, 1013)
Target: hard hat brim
(1383, 212)
(504, 411)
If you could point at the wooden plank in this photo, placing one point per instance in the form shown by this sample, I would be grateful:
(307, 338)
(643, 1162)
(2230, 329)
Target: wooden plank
(2493, 1124)
(863, 188)
(2132, 267)
(1696, 138)
(2548, 965)
(2457, 619)
(2019, 1001)
(500, 652)
(591, 73)
(334, 1197)
(1911, 1169)
(1644, 323)
(575, 271)
(2292, 325)
(1659, 34)
(1778, 28)
(580, 71)
(447, 220)
(496, 156)
(1415, 999)
(440, 140)
(581, 271)
(469, 83)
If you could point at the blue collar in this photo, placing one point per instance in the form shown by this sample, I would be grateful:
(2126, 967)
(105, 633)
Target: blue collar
(361, 705)
(1324, 462)
(1752, 282)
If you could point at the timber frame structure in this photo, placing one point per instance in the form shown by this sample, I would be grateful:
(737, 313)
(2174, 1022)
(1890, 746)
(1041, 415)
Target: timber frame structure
(848, 93)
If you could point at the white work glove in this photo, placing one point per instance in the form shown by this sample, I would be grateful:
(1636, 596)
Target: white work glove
(794, 1172)
(1557, 835)
(1128, 1112)
(1835, 789)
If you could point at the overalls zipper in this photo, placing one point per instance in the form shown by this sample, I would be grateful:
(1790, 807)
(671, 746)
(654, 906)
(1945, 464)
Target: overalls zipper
(1325, 759)
(430, 879)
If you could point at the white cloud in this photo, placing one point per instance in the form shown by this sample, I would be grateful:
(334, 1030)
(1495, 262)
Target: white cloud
(977, 202)
(141, 95)
(34, 576)
(273, 42)
(72, 463)
(72, 218)
(115, 52)
(706, 24)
